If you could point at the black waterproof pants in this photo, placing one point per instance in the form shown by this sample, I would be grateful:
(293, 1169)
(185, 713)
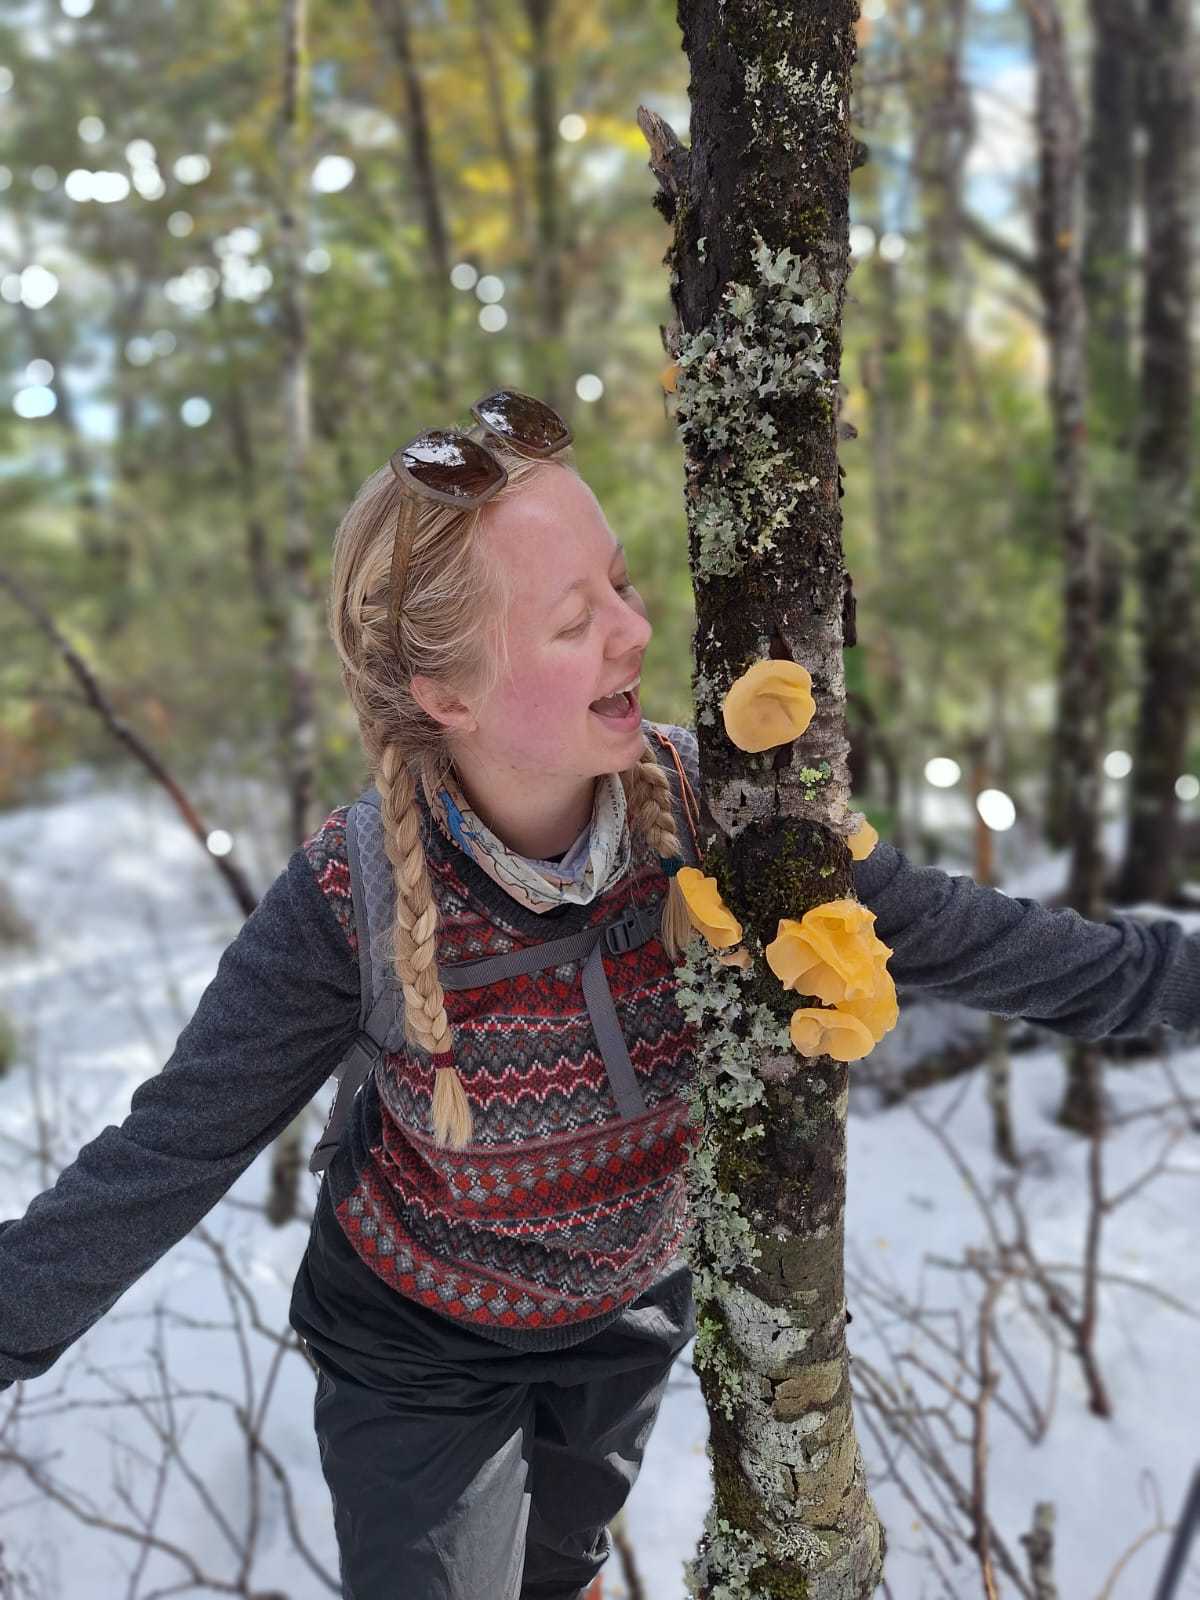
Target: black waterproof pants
(460, 1469)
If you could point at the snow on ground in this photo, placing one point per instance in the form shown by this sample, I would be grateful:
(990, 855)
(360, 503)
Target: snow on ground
(125, 948)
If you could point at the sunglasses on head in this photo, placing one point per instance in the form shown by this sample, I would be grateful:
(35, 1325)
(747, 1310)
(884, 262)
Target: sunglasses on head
(447, 464)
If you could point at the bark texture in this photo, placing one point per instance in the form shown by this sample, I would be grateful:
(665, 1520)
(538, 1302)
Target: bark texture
(1165, 540)
(1109, 188)
(395, 25)
(301, 606)
(758, 266)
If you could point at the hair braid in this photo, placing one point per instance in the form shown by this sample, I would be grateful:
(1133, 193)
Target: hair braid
(415, 946)
(648, 796)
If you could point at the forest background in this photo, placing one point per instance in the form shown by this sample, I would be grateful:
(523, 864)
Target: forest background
(245, 252)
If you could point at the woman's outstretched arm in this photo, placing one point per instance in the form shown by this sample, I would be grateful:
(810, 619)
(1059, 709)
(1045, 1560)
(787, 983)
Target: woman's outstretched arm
(267, 1032)
(960, 940)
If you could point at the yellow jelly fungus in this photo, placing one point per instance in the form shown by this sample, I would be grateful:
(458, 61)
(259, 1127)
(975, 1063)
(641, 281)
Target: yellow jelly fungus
(830, 952)
(879, 1013)
(863, 840)
(707, 910)
(816, 1032)
(770, 704)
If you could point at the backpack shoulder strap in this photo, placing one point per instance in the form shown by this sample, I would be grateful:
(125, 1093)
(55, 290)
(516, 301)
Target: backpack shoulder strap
(381, 1000)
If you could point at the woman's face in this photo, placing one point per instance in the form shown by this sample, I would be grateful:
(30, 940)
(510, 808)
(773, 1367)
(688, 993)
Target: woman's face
(576, 629)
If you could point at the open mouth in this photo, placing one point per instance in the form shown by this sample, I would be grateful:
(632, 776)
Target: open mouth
(620, 709)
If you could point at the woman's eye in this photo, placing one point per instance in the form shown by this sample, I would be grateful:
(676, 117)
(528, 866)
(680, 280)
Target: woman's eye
(570, 633)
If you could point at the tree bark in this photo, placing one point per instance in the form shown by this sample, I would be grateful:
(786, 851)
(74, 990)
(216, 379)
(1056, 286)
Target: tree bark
(392, 16)
(301, 605)
(1110, 183)
(548, 354)
(758, 265)
(1079, 721)
(883, 381)
(998, 1061)
(1165, 541)
(1060, 273)
(944, 125)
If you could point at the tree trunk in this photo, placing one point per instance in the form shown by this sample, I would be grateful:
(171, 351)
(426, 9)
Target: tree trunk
(547, 264)
(943, 123)
(1109, 178)
(392, 16)
(998, 1063)
(758, 265)
(1059, 256)
(1165, 540)
(883, 382)
(301, 604)
(1079, 717)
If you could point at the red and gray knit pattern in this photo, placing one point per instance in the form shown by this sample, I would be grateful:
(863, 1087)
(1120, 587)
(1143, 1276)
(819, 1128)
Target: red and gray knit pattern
(559, 1210)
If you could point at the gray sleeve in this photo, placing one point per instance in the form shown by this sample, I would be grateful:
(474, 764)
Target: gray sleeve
(267, 1032)
(960, 940)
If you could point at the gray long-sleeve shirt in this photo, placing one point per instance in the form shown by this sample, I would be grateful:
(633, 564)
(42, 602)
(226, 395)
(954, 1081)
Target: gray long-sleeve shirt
(283, 1007)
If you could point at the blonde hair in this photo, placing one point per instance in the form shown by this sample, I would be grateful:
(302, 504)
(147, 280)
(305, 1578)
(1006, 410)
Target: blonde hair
(452, 580)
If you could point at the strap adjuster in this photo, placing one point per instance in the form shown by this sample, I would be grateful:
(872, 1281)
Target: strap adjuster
(632, 929)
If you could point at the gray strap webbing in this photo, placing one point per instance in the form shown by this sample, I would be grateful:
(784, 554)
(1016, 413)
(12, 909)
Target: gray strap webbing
(382, 1004)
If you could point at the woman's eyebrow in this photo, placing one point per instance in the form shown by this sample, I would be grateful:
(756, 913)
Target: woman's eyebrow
(581, 583)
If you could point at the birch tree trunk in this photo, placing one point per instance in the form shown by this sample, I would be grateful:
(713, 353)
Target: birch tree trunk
(758, 267)
(301, 606)
(1165, 538)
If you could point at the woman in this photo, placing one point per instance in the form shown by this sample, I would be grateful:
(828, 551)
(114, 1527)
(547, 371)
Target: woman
(492, 1292)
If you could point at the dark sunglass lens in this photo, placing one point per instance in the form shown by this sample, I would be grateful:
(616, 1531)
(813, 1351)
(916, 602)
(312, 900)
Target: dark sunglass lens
(522, 418)
(450, 463)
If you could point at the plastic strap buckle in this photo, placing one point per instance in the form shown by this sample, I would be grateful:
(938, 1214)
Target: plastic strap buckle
(632, 929)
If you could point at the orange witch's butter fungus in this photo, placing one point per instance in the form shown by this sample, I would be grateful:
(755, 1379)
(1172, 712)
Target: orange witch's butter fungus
(863, 840)
(770, 704)
(830, 952)
(878, 1012)
(836, 1033)
(707, 910)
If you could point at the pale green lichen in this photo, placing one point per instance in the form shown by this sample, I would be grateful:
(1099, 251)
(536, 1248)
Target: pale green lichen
(720, 1239)
(727, 1558)
(811, 778)
(709, 1355)
(767, 340)
(785, 98)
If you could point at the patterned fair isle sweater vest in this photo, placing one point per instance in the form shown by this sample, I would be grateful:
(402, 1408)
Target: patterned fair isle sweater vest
(560, 1210)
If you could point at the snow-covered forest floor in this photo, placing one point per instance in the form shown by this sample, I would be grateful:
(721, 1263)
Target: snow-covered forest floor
(129, 922)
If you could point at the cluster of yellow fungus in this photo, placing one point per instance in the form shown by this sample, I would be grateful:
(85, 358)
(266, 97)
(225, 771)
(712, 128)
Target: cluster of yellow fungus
(832, 951)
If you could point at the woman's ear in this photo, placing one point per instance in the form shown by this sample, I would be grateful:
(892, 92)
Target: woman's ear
(442, 706)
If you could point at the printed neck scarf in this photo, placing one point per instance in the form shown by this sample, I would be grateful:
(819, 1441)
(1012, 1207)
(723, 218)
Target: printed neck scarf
(599, 856)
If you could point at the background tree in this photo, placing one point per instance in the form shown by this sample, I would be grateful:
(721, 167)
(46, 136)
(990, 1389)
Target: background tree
(1165, 535)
